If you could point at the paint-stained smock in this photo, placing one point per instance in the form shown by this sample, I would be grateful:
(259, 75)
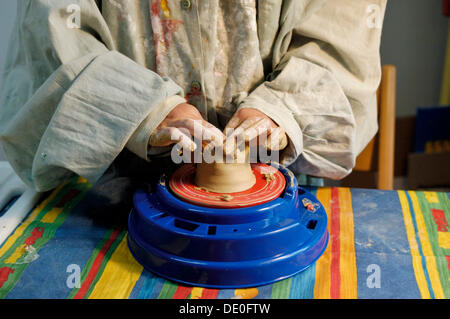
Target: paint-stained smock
(86, 79)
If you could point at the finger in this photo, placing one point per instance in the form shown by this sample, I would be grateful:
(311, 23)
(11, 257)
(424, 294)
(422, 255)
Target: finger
(211, 137)
(248, 130)
(200, 129)
(277, 140)
(212, 133)
(237, 124)
(240, 134)
(170, 135)
(258, 128)
(245, 125)
(253, 122)
(234, 122)
(161, 137)
(194, 126)
(229, 147)
(251, 129)
(283, 142)
(187, 143)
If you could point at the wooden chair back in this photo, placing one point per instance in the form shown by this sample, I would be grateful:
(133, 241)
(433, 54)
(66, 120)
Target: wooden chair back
(378, 156)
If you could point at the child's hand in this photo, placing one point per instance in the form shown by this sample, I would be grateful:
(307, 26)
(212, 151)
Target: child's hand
(178, 127)
(252, 123)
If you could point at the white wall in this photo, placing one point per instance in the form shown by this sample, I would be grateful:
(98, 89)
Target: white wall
(7, 16)
(414, 39)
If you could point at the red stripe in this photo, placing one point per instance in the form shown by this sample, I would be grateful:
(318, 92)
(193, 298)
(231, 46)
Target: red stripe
(35, 235)
(448, 262)
(96, 265)
(71, 194)
(209, 293)
(4, 274)
(439, 219)
(335, 285)
(182, 292)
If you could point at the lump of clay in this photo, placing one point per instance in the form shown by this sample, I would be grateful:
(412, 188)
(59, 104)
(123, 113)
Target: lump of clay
(224, 177)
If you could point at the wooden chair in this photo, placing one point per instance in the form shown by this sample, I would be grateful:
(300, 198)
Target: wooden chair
(378, 156)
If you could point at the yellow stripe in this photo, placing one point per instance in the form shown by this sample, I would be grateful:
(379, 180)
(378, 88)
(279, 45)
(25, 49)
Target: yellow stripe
(81, 180)
(431, 197)
(19, 230)
(119, 276)
(16, 255)
(349, 283)
(416, 258)
(52, 214)
(426, 248)
(246, 293)
(444, 239)
(196, 292)
(323, 264)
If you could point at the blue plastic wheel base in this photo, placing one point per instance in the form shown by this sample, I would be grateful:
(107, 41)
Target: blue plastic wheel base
(227, 248)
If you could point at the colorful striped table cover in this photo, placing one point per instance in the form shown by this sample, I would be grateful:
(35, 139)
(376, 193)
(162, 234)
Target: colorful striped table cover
(383, 244)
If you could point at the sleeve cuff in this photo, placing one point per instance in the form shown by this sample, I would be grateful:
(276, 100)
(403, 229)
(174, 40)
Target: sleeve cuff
(138, 142)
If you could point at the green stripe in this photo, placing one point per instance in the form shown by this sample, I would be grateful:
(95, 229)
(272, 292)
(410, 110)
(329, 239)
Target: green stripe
(71, 184)
(281, 289)
(439, 252)
(444, 204)
(167, 290)
(105, 261)
(88, 265)
(27, 232)
(49, 232)
(37, 221)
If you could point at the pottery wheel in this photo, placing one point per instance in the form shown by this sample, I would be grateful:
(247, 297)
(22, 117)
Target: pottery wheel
(270, 183)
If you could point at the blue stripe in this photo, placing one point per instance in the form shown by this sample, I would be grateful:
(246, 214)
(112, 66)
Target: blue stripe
(138, 286)
(157, 288)
(225, 294)
(264, 291)
(150, 286)
(302, 284)
(381, 240)
(419, 244)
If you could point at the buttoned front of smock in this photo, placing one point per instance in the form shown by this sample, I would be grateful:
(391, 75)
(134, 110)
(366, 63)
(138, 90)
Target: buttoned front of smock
(80, 94)
(210, 49)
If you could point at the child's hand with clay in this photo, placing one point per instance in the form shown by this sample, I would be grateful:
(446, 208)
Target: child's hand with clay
(183, 123)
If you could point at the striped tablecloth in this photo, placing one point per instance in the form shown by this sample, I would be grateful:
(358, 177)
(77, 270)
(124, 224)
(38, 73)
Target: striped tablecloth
(383, 244)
